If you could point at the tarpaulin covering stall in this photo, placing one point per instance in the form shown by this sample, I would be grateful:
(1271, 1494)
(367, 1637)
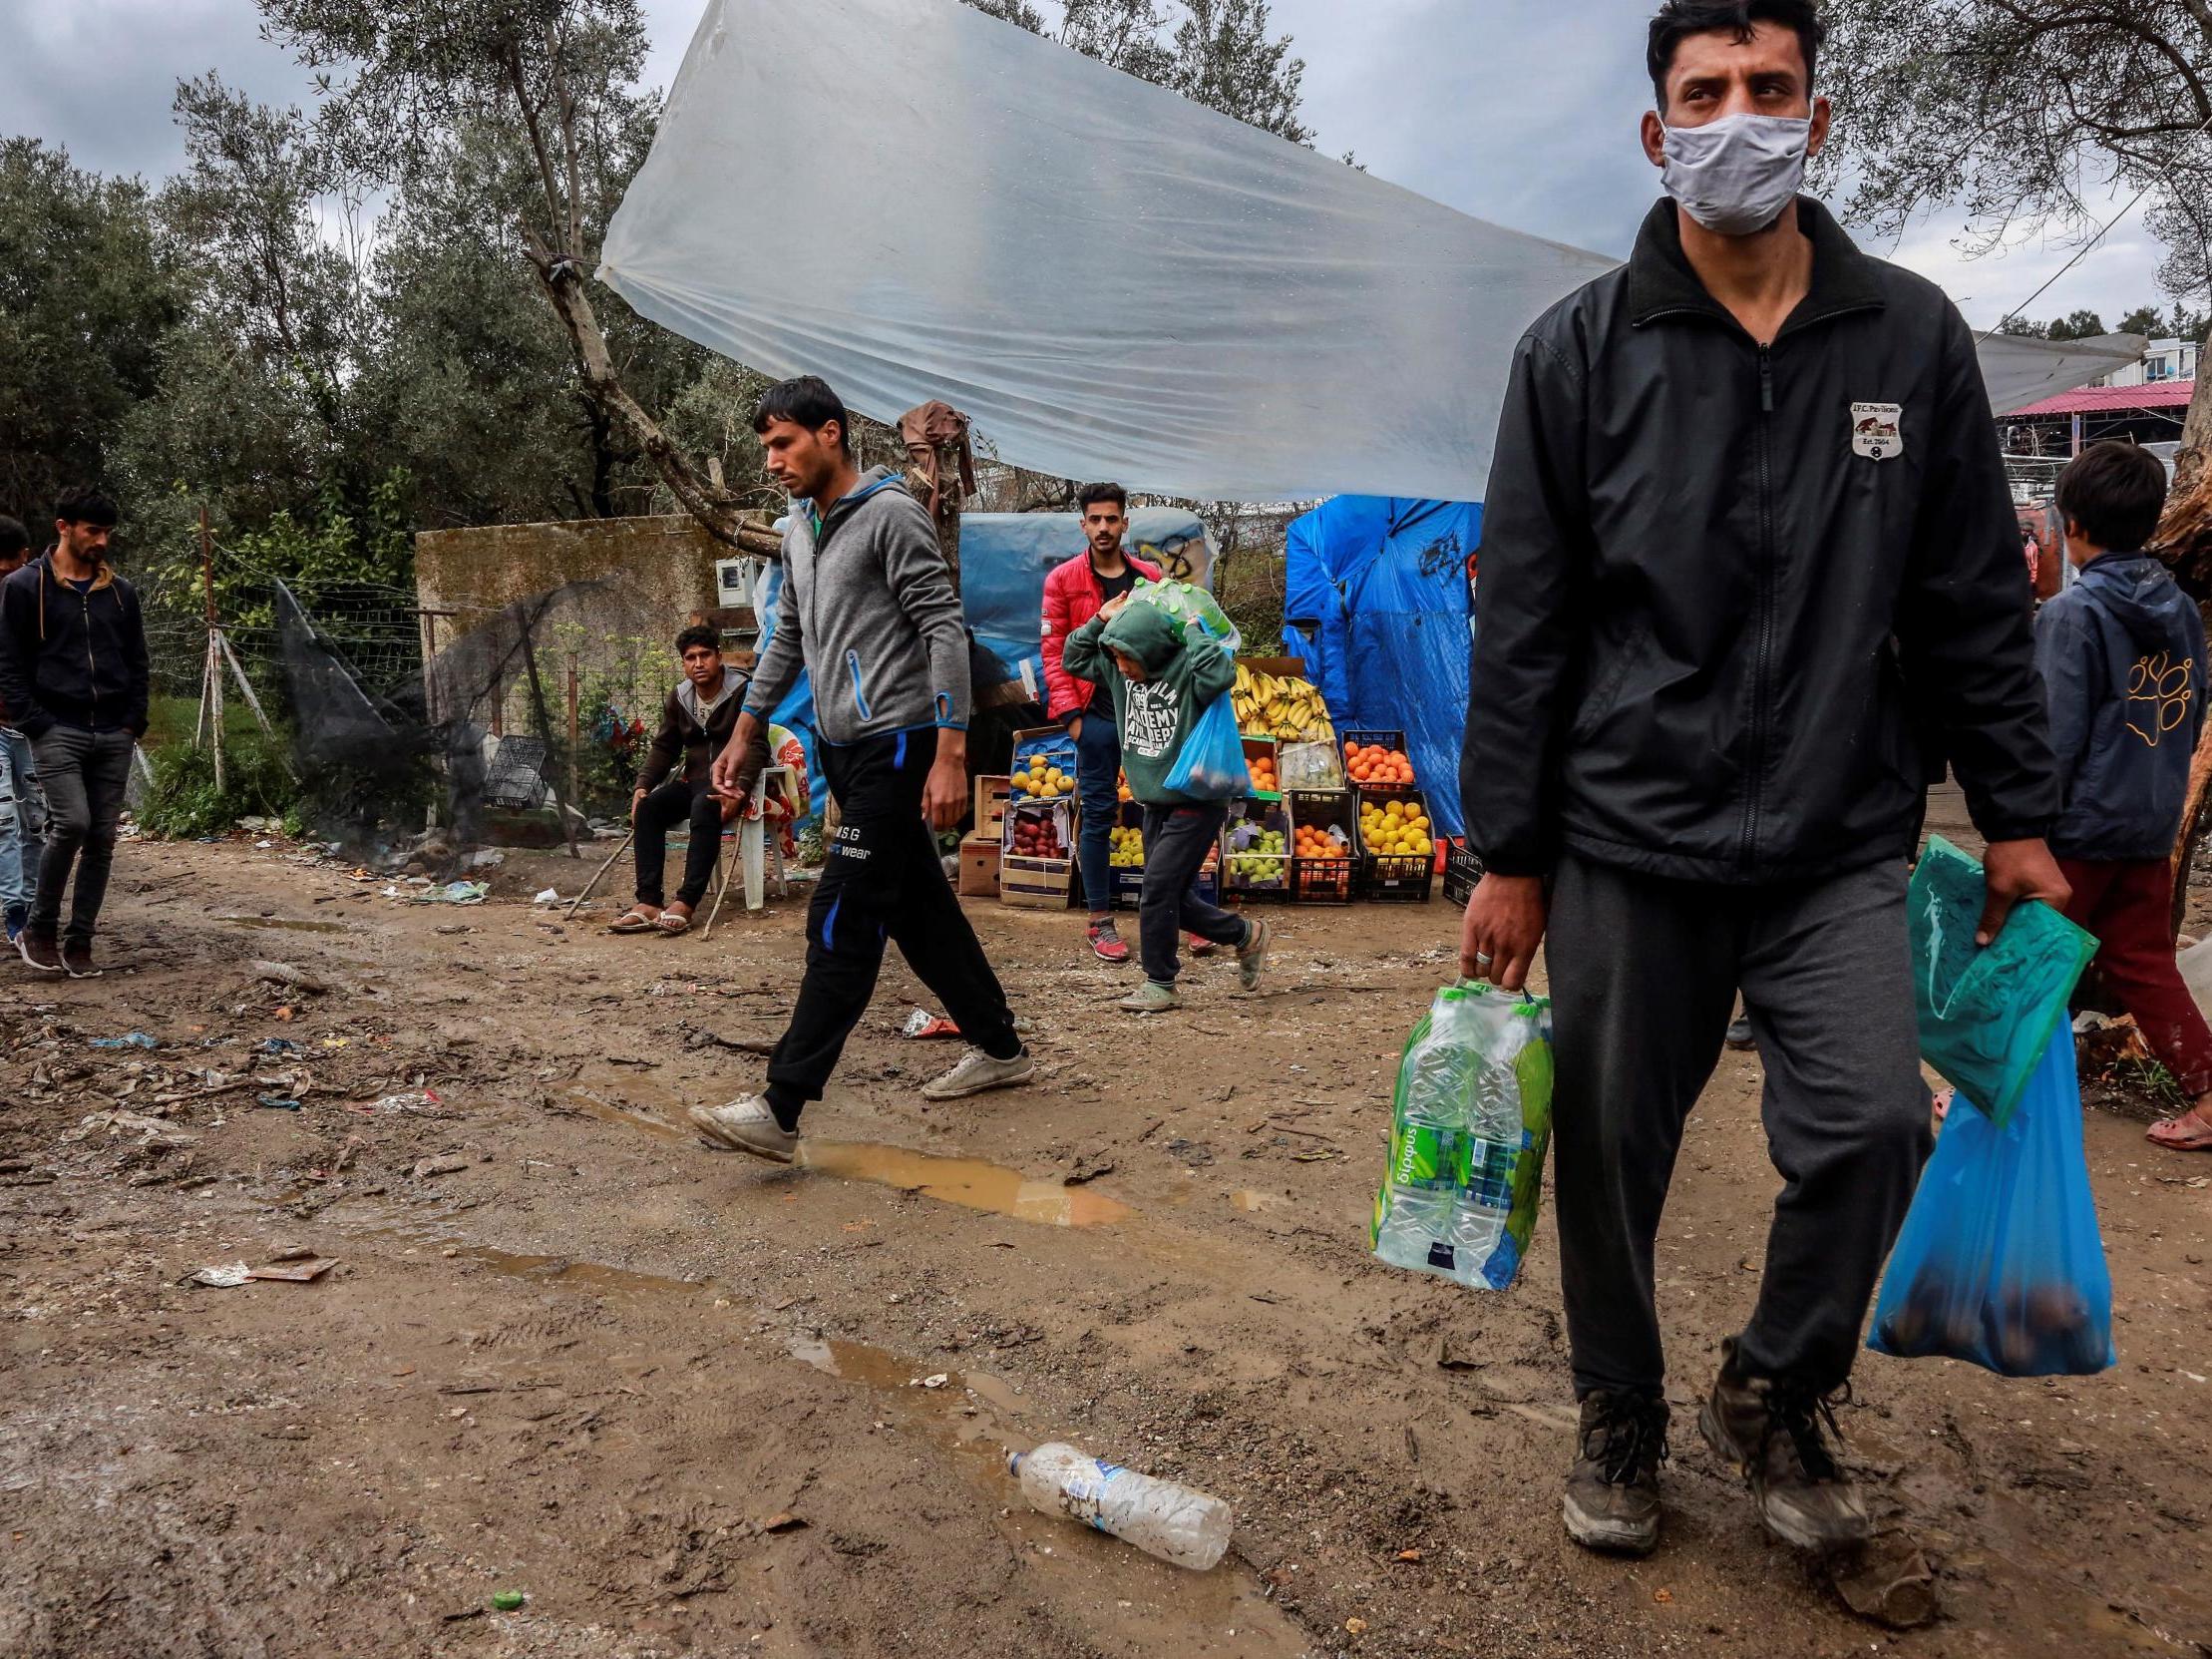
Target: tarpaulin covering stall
(1376, 600)
(1004, 558)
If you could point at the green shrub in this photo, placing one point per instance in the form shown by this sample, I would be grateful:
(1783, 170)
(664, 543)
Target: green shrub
(184, 804)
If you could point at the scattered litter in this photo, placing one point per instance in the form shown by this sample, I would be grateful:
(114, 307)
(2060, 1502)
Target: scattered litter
(296, 1273)
(420, 1102)
(279, 1045)
(440, 1166)
(264, 846)
(1355, 1625)
(547, 895)
(506, 1601)
(285, 973)
(1888, 1580)
(133, 1040)
(1415, 1556)
(1178, 1525)
(153, 1131)
(454, 893)
(923, 1023)
(485, 858)
(221, 1278)
(276, 1102)
(937, 1382)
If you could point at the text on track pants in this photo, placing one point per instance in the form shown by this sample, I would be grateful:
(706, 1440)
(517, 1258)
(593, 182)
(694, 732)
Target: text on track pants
(1644, 974)
(883, 878)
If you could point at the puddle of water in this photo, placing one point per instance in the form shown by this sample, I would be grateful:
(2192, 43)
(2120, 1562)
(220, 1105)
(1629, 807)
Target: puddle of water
(965, 1181)
(286, 923)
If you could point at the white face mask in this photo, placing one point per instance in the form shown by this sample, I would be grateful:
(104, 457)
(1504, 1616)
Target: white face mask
(1735, 175)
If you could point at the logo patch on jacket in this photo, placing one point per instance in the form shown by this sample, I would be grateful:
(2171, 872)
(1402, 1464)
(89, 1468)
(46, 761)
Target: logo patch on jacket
(1876, 430)
(2158, 696)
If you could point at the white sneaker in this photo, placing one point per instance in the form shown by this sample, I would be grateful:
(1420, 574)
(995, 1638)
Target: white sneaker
(976, 1073)
(1251, 956)
(746, 1125)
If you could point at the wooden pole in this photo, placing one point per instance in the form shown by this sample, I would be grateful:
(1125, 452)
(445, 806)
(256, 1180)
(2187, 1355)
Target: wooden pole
(2192, 826)
(214, 656)
(575, 734)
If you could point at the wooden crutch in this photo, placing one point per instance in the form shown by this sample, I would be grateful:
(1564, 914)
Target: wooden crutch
(603, 870)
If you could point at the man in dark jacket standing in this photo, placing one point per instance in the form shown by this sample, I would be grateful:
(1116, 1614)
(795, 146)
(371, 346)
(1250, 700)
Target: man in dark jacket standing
(869, 610)
(73, 676)
(2122, 656)
(1746, 535)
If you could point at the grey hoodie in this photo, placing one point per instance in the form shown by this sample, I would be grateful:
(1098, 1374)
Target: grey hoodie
(2123, 660)
(867, 609)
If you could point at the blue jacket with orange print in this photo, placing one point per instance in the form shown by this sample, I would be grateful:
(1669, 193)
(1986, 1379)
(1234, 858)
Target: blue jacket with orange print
(2122, 658)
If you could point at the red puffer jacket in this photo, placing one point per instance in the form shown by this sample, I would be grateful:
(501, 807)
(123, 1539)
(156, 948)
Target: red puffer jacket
(1071, 598)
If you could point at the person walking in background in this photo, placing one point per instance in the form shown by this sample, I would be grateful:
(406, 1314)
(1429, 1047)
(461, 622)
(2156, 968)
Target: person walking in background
(2122, 657)
(1158, 682)
(1747, 534)
(74, 680)
(677, 785)
(1074, 593)
(868, 612)
(22, 803)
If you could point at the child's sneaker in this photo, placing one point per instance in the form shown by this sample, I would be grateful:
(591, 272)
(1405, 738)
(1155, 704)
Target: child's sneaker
(1198, 947)
(1252, 955)
(1152, 998)
(1107, 944)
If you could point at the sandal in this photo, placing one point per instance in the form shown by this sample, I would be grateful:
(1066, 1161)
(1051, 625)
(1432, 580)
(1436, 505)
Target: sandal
(633, 920)
(673, 925)
(2184, 1132)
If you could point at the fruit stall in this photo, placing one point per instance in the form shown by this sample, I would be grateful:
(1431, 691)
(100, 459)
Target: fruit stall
(1330, 819)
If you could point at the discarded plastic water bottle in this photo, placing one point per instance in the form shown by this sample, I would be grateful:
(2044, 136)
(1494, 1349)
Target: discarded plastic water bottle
(1428, 1153)
(1160, 1518)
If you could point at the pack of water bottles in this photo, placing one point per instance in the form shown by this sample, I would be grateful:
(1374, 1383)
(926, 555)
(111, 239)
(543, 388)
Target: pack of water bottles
(1470, 1121)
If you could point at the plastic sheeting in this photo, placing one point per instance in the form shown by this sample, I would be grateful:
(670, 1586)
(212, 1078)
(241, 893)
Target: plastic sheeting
(2019, 369)
(916, 200)
(1376, 600)
(1005, 558)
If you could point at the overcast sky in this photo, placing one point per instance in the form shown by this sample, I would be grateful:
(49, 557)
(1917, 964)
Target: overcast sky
(1520, 111)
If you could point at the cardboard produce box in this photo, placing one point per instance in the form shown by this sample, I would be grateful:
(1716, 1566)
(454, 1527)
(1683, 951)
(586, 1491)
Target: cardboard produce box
(979, 856)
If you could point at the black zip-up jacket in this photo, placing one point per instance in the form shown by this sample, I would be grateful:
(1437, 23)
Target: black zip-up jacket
(71, 658)
(1733, 598)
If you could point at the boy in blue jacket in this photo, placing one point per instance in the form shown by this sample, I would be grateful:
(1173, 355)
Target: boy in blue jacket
(2122, 657)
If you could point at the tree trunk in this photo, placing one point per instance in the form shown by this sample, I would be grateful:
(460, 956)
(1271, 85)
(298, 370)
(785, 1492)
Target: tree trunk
(714, 508)
(2192, 825)
(2196, 437)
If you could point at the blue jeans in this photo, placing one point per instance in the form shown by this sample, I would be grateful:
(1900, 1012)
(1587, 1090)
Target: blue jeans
(22, 821)
(1097, 787)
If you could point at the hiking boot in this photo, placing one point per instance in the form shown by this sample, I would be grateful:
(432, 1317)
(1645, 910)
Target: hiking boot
(1612, 1497)
(746, 1125)
(1781, 1437)
(976, 1073)
(1151, 998)
(1740, 1032)
(76, 961)
(40, 951)
(1106, 943)
(1252, 955)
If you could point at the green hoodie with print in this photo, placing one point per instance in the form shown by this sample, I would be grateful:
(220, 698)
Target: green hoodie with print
(1156, 715)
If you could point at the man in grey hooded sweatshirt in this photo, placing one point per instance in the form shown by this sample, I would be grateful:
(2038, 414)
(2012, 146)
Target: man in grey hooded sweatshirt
(867, 609)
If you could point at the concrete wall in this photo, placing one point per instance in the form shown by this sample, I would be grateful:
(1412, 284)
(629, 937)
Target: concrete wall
(664, 568)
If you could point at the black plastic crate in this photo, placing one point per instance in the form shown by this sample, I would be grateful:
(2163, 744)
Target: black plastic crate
(1394, 741)
(1129, 883)
(1462, 869)
(1251, 816)
(1325, 881)
(1398, 878)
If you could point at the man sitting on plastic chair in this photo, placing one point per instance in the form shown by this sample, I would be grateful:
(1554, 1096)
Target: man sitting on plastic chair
(695, 725)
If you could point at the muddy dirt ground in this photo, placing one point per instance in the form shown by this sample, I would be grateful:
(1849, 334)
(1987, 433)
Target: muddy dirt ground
(691, 1405)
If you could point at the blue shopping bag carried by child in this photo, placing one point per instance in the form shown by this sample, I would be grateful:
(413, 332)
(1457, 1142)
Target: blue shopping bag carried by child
(2000, 1262)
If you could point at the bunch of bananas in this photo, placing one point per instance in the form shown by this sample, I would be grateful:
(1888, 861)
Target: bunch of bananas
(1279, 706)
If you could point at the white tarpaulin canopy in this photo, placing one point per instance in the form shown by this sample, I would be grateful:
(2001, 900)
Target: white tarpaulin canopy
(917, 202)
(2021, 369)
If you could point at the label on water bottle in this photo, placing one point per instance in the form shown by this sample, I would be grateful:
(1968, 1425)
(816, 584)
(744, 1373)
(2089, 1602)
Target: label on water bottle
(1426, 1158)
(1083, 1492)
(1486, 1171)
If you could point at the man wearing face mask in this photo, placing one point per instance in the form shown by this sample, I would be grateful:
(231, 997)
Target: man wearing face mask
(1748, 547)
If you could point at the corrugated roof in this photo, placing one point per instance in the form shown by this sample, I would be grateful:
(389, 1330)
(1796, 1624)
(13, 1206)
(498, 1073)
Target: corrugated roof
(2088, 400)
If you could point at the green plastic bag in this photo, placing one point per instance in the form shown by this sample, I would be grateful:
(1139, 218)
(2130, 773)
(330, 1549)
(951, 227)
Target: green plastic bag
(1188, 603)
(1987, 1013)
(1470, 1120)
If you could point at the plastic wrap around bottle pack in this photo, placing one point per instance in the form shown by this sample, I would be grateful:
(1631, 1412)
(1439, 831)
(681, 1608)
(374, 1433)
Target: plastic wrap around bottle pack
(1188, 603)
(1986, 1012)
(1471, 1118)
(2000, 1262)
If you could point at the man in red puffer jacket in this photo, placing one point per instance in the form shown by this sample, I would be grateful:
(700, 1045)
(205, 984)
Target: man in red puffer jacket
(1073, 594)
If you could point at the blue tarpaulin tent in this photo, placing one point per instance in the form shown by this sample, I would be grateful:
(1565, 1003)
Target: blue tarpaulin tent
(1378, 599)
(1005, 558)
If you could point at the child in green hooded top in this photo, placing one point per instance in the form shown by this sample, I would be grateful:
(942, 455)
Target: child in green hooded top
(1160, 682)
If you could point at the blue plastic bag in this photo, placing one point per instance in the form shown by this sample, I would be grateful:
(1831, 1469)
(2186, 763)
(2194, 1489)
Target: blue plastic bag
(1986, 1012)
(2000, 1262)
(1211, 766)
